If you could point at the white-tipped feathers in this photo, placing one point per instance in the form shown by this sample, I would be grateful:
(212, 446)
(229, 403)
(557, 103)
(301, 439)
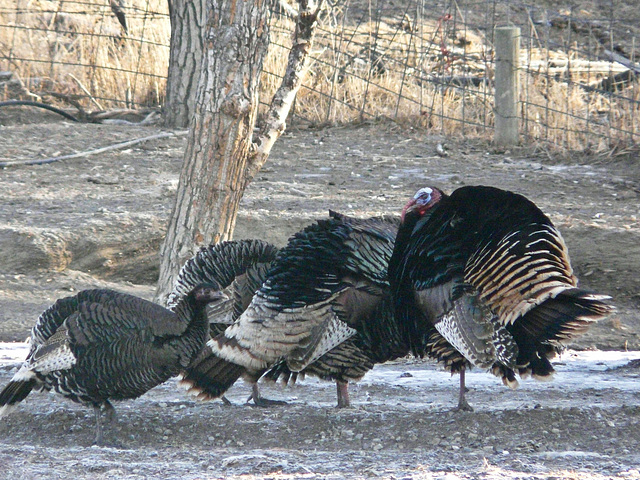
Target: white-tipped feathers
(25, 373)
(488, 271)
(101, 345)
(517, 273)
(264, 336)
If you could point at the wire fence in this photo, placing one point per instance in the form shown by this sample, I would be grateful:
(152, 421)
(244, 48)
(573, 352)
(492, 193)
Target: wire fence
(420, 62)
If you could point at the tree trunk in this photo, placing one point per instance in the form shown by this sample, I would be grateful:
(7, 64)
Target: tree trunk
(185, 58)
(212, 179)
(220, 159)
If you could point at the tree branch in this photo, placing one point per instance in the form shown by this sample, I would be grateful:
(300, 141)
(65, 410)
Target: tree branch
(297, 66)
(129, 143)
(614, 57)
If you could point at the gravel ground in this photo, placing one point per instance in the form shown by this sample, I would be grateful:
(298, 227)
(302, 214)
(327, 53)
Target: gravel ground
(99, 221)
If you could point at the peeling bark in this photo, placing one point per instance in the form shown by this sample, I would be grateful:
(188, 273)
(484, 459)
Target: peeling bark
(297, 67)
(185, 58)
(220, 159)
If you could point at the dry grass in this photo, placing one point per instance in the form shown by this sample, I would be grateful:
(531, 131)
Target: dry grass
(395, 69)
(407, 77)
(72, 48)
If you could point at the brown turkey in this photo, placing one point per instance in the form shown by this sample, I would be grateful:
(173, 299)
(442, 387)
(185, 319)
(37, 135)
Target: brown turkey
(482, 278)
(330, 280)
(239, 267)
(102, 345)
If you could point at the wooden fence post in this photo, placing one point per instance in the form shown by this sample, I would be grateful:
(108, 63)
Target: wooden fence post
(507, 45)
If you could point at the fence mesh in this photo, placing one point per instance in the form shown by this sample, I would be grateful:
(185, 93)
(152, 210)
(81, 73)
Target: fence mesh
(423, 62)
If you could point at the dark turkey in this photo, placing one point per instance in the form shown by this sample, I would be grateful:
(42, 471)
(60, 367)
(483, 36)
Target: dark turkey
(239, 267)
(102, 345)
(327, 284)
(371, 245)
(482, 278)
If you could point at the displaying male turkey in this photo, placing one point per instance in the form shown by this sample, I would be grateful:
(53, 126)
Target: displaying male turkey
(482, 278)
(371, 245)
(102, 345)
(239, 267)
(330, 280)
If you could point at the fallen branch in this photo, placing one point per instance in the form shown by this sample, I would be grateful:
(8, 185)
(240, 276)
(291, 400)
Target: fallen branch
(84, 89)
(616, 82)
(91, 152)
(29, 103)
(613, 56)
(73, 100)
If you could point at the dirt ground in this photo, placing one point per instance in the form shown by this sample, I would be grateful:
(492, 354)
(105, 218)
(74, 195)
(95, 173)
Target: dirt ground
(99, 220)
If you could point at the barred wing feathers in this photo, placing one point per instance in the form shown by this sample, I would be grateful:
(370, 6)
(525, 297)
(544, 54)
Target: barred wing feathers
(499, 248)
(101, 344)
(321, 286)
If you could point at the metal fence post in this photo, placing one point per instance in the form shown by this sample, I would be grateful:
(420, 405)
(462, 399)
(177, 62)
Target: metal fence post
(507, 45)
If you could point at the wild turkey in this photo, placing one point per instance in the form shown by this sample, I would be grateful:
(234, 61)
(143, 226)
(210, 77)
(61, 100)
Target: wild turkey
(371, 244)
(482, 278)
(329, 280)
(102, 345)
(239, 267)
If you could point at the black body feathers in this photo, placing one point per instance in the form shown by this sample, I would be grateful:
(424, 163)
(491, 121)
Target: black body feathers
(483, 277)
(102, 345)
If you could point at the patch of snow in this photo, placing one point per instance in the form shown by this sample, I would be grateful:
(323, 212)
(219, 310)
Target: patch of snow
(572, 454)
(13, 352)
(574, 370)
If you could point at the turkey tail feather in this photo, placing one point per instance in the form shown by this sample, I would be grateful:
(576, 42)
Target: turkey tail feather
(15, 392)
(567, 315)
(208, 376)
(281, 372)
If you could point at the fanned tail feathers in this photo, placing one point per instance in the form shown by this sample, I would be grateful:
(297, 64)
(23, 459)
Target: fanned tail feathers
(281, 372)
(209, 376)
(569, 314)
(542, 331)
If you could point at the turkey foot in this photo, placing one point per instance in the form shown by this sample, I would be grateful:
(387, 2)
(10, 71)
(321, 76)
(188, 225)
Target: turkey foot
(463, 405)
(260, 401)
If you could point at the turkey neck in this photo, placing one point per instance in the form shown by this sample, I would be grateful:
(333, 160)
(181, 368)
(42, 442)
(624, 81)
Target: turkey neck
(193, 313)
(413, 325)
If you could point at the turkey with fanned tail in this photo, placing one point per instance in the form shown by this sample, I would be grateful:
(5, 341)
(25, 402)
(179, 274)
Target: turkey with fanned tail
(482, 278)
(102, 345)
(327, 284)
(239, 267)
(369, 244)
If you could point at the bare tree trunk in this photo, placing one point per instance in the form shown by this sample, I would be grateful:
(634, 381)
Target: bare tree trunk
(185, 58)
(220, 159)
